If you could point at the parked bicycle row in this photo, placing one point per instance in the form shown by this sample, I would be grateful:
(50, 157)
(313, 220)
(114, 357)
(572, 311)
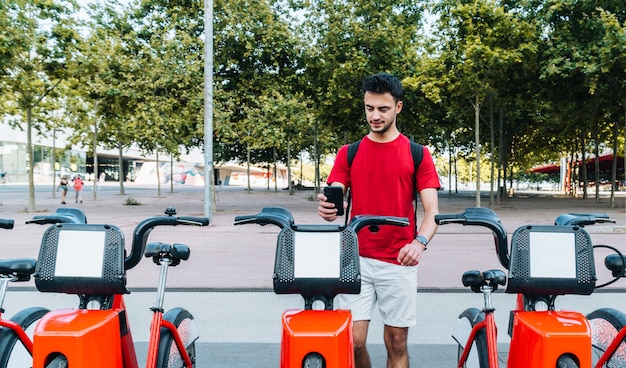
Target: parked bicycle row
(318, 262)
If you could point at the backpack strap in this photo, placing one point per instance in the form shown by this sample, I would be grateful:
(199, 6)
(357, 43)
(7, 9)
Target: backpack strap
(417, 151)
(352, 148)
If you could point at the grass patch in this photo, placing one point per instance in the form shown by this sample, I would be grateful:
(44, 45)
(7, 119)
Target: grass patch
(131, 201)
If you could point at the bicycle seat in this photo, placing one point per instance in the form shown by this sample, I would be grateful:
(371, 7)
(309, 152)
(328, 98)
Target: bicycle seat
(475, 279)
(615, 264)
(176, 252)
(551, 260)
(82, 259)
(21, 268)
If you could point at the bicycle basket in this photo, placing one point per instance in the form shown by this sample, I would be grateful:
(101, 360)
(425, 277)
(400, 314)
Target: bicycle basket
(551, 260)
(317, 260)
(81, 259)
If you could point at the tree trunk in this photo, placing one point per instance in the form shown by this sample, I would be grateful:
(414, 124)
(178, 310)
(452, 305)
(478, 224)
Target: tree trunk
(596, 173)
(493, 156)
(121, 169)
(583, 164)
(96, 174)
(477, 142)
(31, 164)
(614, 163)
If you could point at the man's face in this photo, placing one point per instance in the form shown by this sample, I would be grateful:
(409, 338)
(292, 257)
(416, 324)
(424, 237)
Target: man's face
(380, 111)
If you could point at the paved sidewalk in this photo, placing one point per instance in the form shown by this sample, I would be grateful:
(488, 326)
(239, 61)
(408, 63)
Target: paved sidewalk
(227, 281)
(225, 256)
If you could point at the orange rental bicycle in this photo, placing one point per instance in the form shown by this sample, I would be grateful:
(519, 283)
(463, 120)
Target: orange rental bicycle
(318, 262)
(545, 261)
(90, 261)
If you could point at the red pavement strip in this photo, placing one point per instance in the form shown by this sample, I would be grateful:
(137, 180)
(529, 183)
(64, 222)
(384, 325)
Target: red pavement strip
(224, 256)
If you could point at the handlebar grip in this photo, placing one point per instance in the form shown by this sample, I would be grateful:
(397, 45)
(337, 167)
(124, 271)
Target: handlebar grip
(197, 221)
(443, 219)
(245, 219)
(6, 223)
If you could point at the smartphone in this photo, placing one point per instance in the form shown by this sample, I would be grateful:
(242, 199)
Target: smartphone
(335, 195)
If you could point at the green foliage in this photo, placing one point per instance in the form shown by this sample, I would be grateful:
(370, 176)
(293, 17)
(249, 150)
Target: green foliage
(549, 77)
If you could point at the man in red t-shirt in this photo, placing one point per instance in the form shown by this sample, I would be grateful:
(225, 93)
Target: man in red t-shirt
(381, 182)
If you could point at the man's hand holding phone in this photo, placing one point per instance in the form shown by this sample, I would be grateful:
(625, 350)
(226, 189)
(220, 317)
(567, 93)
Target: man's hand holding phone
(330, 200)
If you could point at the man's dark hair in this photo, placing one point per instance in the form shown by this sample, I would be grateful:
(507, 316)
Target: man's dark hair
(383, 83)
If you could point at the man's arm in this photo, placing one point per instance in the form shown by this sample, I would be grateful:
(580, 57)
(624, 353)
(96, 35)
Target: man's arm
(430, 203)
(411, 253)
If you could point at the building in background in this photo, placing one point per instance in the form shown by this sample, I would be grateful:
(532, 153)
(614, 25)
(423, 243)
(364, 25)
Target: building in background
(53, 159)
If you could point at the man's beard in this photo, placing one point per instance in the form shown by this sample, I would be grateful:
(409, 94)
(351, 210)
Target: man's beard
(383, 130)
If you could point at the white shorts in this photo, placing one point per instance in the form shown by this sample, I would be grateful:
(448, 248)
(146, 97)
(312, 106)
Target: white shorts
(393, 287)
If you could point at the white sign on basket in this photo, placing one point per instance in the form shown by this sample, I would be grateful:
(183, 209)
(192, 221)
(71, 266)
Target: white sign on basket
(317, 255)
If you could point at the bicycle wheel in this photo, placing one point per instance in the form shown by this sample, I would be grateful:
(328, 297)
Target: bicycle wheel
(566, 361)
(168, 355)
(605, 325)
(12, 352)
(478, 356)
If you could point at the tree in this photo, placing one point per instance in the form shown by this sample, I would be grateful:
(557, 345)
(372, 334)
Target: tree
(41, 40)
(477, 41)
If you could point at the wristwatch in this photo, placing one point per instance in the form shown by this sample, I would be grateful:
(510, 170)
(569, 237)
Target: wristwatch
(422, 239)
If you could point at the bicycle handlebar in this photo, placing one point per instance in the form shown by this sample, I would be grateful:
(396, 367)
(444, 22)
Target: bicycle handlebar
(360, 221)
(278, 216)
(485, 217)
(282, 218)
(6, 224)
(478, 216)
(143, 229)
(582, 219)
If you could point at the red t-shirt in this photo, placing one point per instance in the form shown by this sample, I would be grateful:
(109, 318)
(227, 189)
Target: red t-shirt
(78, 183)
(381, 184)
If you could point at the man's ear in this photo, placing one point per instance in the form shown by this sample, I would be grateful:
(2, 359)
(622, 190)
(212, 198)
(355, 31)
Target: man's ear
(398, 107)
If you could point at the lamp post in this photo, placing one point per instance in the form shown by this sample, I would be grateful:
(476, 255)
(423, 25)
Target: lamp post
(208, 109)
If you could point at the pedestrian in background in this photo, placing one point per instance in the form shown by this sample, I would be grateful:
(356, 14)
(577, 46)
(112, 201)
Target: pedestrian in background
(78, 188)
(63, 186)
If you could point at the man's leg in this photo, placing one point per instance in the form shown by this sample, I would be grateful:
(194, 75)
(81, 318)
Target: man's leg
(397, 299)
(396, 344)
(361, 356)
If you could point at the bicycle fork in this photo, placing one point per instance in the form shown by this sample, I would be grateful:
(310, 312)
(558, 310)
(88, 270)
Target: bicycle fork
(158, 322)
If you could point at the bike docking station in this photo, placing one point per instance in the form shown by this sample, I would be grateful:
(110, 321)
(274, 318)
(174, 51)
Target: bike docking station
(318, 262)
(545, 261)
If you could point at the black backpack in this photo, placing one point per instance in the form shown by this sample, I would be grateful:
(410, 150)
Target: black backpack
(417, 152)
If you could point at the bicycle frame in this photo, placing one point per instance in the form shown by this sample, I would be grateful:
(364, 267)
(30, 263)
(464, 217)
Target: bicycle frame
(158, 322)
(491, 335)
